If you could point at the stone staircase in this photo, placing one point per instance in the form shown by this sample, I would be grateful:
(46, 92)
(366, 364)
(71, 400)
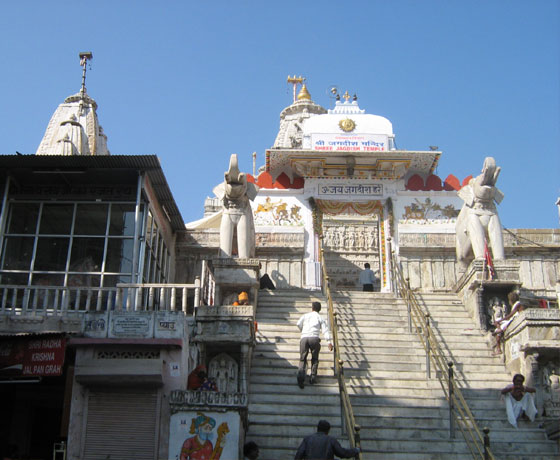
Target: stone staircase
(280, 413)
(402, 414)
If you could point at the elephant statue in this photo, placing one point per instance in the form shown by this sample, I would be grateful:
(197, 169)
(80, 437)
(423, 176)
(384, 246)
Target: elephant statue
(478, 223)
(236, 194)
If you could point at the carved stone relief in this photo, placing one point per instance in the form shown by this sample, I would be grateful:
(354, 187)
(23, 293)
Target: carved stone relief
(349, 241)
(551, 391)
(224, 370)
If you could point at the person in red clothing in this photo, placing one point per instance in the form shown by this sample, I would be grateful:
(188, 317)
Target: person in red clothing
(196, 377)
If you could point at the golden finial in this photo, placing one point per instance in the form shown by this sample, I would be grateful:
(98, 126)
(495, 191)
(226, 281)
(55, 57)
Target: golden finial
(303, 94)
(295, 81)
(346, 96)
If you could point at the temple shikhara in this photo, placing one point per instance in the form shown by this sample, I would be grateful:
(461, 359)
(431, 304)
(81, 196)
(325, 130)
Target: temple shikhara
(128, 333)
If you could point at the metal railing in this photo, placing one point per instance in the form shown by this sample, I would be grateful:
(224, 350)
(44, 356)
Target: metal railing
(60, 300)
(153, 296)
(54, 300)
(352, 428)
(459, 412)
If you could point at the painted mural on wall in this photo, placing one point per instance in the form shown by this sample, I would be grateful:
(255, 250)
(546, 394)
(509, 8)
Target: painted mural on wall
(428, 212)
(277, 212)
(204, 436)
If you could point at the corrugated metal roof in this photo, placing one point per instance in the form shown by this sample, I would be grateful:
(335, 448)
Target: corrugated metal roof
(56, 163)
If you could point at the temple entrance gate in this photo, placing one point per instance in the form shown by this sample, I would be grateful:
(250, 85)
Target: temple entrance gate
(352, 235)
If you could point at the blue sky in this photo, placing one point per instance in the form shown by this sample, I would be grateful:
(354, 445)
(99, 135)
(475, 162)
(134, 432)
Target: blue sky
(193, 82)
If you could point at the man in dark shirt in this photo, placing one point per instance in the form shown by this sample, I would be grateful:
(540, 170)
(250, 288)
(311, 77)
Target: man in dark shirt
(321, 446)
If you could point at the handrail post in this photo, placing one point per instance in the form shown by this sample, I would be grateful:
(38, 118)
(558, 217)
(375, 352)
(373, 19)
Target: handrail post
(428, 346)
(408, 306)
(393, 285)
(451, 403)
(334, 327)
(339, 371)
(357, 440)
(197, 292)
(486, 432)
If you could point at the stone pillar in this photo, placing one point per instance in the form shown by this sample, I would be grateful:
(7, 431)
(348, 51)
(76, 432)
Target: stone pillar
(244, 369)
(530, 369)
(481, 310)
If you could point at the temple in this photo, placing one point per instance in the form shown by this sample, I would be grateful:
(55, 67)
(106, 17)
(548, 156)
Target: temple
(127, 333)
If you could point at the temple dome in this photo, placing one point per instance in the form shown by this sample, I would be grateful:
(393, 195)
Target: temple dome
(345, 119)
(74, 129)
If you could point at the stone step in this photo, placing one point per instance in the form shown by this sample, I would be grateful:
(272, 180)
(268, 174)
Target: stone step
(483, 391)
(293, 424)
(448, 446)
(401, 322)
(291, 332)
(461, 355)
(398, 328)
(298, 401)
(476, 382)
(299, 293)
(287, 410)
(386, 409)
(364, 364)
(352, 343)
(373, 357)
(492, 416)
(326, 368)
(411, 431)
(369, 417)
(292, 315)
(291, 360)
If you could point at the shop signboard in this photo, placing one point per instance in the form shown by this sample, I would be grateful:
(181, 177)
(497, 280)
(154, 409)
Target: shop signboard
(36, 356)
(131, 325)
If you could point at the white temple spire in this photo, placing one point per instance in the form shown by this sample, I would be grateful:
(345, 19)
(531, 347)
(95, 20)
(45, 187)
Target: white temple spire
(74, 128)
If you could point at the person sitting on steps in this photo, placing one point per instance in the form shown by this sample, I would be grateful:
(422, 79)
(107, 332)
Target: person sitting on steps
(519, 400)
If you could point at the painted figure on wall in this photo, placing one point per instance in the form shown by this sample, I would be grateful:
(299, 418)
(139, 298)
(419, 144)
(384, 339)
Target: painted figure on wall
(478, 224)
(237, 216)
(200, 447)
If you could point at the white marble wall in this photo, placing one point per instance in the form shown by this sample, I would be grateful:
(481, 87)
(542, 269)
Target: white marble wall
(428, 260)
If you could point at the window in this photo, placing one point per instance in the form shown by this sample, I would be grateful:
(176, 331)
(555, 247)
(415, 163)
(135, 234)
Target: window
(56, 219)
(23, 218)
(18, 251)
(156, 255)
(91, 219)
(69, 244)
